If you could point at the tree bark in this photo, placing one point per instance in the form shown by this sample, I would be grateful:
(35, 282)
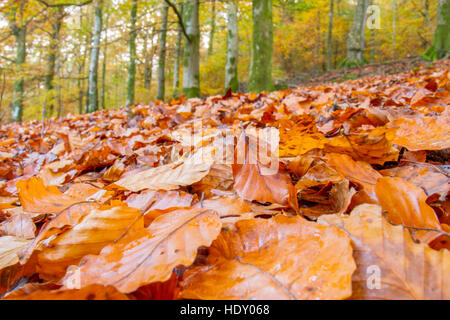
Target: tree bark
(191, 59)
(262, 47)
(231, 69)
(212, 28)
(93, 65)
(132, 62)
(330, 36)
(178, 53)
(51, 61)
(161, 90)
(355, 42)
(20, 34)
(105, 55)
(440, 46)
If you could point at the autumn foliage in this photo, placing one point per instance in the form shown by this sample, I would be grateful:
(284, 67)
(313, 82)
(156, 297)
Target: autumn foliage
(103, 206)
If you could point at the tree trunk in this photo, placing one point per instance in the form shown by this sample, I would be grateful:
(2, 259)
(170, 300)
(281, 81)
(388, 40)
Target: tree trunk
(178, 53)
(212, 28)
(93, 65)
(394, 27)
(20, 34)
(191, 59)
(355, 42)
(51, 62)
(132, 62)
(330, 36)
(231, 75)
(148, 59)
(262, 47)
(105, 55)
(161, 92)
(440, 46)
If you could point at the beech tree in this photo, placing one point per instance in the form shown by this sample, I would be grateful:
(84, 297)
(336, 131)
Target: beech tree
(440, 47)
(231, 69)
(355, 41)
(262, 47)
(132, 63)
(191, 59)
(162, 53)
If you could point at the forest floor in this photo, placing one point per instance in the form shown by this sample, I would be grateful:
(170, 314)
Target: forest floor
(386, 68)
(348, 193)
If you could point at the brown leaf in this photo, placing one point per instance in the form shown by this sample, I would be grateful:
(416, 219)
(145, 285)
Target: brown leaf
(149, 255)
(390, 264)
(280, 258)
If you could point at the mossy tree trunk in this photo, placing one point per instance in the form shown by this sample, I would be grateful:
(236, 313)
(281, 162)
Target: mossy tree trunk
(231, 69)
(262, 47)
(178, 53)
(93, 65)
(191, 59)
(440, 46)
(132, 48)
(212, 29)
(20, 34)
(162, 53)
(355, 41)
(330, 36)
(51, 61)
(105, 56)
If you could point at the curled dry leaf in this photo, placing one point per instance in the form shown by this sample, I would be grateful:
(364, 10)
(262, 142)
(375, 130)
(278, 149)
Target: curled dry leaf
(151, 199)
(390, 264)
(149, 255)
(39, 198)
(183, 172)
(406, 205)
(18, 225)
(358, 172)
(10, 248)
(95, 230)
(255, 181)
(279, 258)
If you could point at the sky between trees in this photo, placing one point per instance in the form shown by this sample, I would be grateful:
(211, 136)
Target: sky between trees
(75, 56)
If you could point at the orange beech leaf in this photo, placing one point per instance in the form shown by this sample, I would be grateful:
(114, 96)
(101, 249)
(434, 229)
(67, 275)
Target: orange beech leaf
(424, 133)
(37, 197)
(390, 264)
(220, 177)
(280, 258)
(252, 183)
(95, 230)
(183, 172)
(149, 255)
(431, 180)
(406, 205)
(167, 290)
(151, 199)
(65, 219)
(92, 292)
(225, 206)
(358, 172)
(18, 225)
(81, 190)
(10, 248)
(7, 202)
(319, 173)
(372, 148)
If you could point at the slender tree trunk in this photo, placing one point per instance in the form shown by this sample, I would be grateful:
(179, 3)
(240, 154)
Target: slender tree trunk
(20, 34)
(394, 27)
(330, 36)
(93, 65)
(262, 47)
(231, 69)
(161, 92)
(355, 42)
(178, 53)
(148, 59)
(212, 28)
(105, 55)
(51, 62)
(132, 63)
(440, 46)
(191, 59)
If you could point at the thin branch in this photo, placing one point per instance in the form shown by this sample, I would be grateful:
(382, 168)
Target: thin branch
(180, 19)
(66, 4)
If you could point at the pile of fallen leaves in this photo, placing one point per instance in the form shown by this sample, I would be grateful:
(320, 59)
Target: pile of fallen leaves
(102, 206)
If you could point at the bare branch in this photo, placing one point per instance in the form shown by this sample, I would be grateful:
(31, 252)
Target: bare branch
(180, 19)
